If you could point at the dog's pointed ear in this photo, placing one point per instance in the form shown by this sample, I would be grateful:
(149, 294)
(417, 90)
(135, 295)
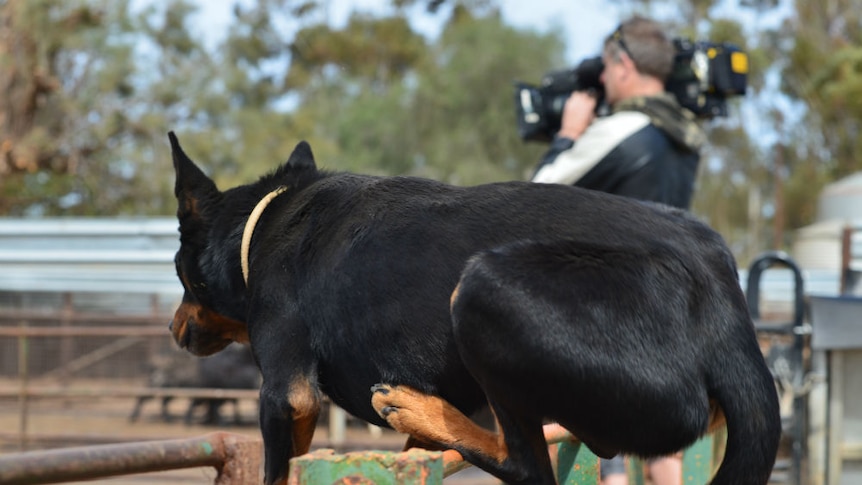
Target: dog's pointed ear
(192, 185)
(301, 156)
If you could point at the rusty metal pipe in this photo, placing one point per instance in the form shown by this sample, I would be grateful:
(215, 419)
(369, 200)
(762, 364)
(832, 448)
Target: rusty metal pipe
(91, 462)
(86, 331)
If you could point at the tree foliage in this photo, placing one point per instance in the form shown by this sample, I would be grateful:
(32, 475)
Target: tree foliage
(64, 100)
(823, 46)
(94, 87)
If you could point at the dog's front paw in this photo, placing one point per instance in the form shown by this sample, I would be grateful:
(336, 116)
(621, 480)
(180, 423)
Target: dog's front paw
(429, 420)
(404, 408)
(385, 401)
(381, 388)
(379, 392)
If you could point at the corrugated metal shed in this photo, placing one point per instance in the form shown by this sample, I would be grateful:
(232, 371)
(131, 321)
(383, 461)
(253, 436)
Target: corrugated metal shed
(104, 255)
(841, 200)
(820, 245)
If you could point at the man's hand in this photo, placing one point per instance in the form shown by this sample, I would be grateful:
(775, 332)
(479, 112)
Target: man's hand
(578, 113)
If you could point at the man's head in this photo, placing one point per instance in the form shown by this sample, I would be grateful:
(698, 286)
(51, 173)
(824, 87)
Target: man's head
(638, 57)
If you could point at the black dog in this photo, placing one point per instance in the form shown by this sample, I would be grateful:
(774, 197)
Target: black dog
(622, 321)
(232, 368)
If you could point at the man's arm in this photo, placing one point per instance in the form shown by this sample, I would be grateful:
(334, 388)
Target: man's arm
(578, 113)
(566, 165)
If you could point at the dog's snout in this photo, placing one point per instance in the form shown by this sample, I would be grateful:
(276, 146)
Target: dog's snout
(171, 325)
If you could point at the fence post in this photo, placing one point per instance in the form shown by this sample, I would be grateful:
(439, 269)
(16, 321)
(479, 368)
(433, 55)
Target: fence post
(243, 460)
(23, 377)
(413, 467)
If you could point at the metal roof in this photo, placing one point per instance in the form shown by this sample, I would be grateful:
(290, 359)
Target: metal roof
(130, 255)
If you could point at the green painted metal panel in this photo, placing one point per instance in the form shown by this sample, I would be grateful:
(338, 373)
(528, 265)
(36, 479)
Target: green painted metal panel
(324, 467)
(636, 471)
(576, 465)
(697, 462)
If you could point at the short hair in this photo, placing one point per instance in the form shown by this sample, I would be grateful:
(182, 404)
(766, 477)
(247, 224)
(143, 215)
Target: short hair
(645, 42)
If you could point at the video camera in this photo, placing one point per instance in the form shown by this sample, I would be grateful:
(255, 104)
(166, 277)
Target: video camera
(703, 76)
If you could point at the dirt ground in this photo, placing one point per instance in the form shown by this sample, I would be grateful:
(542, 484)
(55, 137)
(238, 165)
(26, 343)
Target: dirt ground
(57, 423)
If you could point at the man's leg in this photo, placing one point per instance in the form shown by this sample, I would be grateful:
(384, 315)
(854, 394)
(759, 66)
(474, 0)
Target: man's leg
(666, 470)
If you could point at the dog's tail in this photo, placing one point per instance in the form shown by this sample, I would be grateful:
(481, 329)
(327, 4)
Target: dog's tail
(749, 402)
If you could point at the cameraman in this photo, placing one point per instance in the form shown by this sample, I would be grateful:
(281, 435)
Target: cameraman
(647, 148)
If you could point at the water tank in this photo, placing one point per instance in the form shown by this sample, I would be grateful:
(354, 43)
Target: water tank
(819, 246)
(841, 200)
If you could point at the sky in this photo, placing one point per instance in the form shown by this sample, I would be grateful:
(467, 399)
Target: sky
(585, 22)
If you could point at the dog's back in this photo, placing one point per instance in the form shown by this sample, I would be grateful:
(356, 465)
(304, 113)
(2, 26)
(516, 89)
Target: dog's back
(390, 251)
(630, 347)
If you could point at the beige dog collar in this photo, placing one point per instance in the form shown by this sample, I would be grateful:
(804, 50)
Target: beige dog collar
(249, 229)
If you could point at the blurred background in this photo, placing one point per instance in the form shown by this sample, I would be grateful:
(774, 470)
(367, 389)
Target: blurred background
(389, 87)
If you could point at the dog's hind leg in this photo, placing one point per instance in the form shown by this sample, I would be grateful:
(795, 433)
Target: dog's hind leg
(430, 419)
(413, 442)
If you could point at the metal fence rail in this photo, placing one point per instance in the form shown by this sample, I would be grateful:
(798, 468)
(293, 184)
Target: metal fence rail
(236, 458)
(53, 392)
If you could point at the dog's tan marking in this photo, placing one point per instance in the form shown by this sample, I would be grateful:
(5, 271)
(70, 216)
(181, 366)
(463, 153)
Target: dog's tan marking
(413, 442)
(190, 206)
(716, 417)
(454, 296)
(179, 326)
(305, 403)
(431, 419)
(208, 320)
